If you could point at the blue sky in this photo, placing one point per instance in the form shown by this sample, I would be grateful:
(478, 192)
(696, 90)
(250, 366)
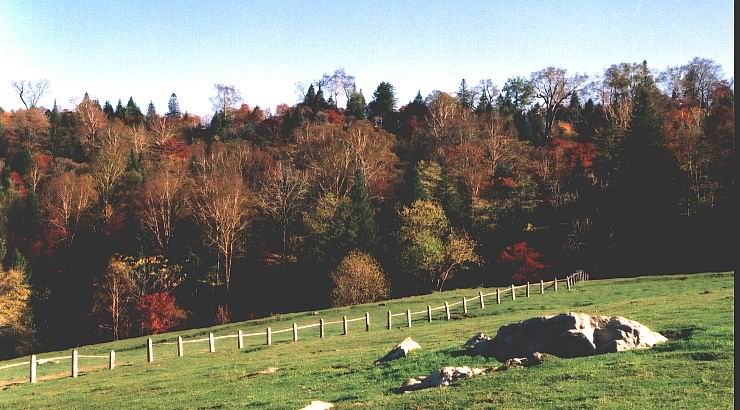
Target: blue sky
(148, 49)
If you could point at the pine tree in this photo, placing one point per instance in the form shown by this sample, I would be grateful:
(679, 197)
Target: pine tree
(356, 105)
(384, 100)
(647, 194)
(120, 111)
(418, 100)
(450, 199)
(465, 95)
(151, 113)
(310, 98)
(367, 231)
(108, 110)
(133, 113)
(173, 107)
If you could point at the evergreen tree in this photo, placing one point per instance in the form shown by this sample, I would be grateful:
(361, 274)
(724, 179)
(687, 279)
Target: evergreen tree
(319, 102)
(310, 98)
(384, 101)
(450, 199)
(465, 95)
(367, 232)
(356, 105)
(151, 113)
(120, 111)
(108, 110)
(647, 194)
(418, 100)
(133, 113)
(484, 104)
(173, 107)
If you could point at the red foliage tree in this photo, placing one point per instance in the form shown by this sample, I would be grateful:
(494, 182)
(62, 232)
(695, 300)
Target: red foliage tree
(523, 262)
(159, 312)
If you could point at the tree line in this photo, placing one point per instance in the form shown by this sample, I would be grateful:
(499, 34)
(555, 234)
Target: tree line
(116, 222)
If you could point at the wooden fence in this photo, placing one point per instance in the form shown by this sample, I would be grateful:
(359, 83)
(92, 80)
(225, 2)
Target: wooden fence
(267, 334)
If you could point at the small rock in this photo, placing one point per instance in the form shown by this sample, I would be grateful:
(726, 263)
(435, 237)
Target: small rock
(318, 405)
(441, 378)
(401, 350)
(269, 370)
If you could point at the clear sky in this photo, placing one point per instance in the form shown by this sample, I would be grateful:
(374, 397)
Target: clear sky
(149, 49)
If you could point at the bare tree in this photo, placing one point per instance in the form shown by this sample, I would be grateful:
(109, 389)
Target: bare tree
(222, 203)
(163, 130)
(282, 195)
(91, 124)
(110, 164)
(226, 99)
(553, 87)
(339, 82)
(66, 197)
(29, 92)
(162, 202)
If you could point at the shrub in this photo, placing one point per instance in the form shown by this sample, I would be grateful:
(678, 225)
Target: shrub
(358, 279)
(159, 312)
(522, 262)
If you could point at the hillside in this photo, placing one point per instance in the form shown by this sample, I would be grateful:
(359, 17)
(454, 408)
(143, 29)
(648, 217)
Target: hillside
(695, 369)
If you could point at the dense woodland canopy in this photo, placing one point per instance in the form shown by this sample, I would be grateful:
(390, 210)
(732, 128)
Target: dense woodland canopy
(118, 221)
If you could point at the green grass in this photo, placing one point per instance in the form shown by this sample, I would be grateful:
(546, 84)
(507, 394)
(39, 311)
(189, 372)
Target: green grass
(694, 370)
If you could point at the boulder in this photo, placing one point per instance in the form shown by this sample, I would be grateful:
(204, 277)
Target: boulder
(477, 343)
(318, 405)
(568, 335)
(401, 350)
(443, 377)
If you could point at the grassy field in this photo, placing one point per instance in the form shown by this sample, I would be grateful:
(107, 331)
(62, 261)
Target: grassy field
(694, 370)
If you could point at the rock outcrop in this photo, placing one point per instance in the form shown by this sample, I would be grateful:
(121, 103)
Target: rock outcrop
(568, 335)
(401, 350)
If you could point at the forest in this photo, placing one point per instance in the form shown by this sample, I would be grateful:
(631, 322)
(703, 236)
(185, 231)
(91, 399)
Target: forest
(117, 221)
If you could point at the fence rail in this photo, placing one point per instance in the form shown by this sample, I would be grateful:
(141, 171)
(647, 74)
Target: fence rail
(569, 281)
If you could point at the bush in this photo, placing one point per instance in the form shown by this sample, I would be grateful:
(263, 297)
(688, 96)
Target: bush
(159, 312)
(358, 279)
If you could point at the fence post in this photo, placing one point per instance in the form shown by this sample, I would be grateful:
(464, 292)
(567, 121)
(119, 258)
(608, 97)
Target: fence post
(268, 335)
(367, 321)
(240, 339)
(542, 287)
(321, 328)
(556, 284)
(447, 310)
(513, 292)
(408, 316)
(390, 320)
(480, 296)
(465, 305)
(498, 296)
(211, 343)
(345, 328)
(180, 351)
(527, 288)
(567, 283)
(429, 313)
(32, 363)
(295, 332)
(112, 360)
(149, 350)
(75, 366)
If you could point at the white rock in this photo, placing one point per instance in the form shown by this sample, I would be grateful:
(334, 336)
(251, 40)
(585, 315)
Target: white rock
(401, 350)
(318, 405)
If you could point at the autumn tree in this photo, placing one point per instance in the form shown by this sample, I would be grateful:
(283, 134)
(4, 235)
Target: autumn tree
(428, 248)
(521, 262)
(159, 312)
(16, 320)
(358, 279)
(109, 166)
